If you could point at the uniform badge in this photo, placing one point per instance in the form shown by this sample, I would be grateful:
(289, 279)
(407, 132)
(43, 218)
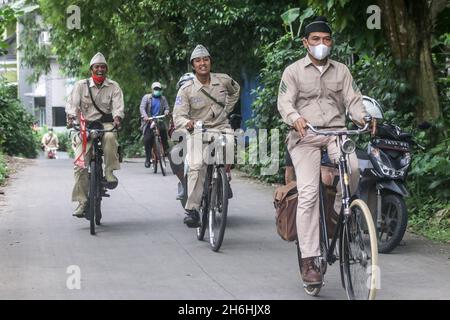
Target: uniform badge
(283, 87)
(178, 101)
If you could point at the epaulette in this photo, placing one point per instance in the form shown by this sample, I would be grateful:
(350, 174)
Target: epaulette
(187, 84)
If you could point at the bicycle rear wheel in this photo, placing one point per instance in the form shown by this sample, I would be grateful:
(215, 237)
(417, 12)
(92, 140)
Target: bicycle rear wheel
(359, 253)
(162, 159)
(218, 208)
(93, 195)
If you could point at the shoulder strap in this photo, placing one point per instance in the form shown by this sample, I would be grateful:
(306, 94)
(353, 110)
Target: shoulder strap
(212, 98)
(92, 99)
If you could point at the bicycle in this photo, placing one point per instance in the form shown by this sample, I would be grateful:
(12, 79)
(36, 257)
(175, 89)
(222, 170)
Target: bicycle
(357, 250)
(214, 202)
(158, 152)
(97, 181)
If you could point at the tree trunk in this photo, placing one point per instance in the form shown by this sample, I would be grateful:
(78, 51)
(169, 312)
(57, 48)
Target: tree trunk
(408, 26)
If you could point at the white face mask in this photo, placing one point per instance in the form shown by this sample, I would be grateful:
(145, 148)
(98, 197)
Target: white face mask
(320, 51)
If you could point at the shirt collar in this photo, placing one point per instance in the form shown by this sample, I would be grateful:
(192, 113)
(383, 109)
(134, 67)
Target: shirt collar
(307, 61)
(198, 85)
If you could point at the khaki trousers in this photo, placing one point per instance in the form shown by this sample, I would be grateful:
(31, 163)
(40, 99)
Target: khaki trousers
(198, 158)
(306, 156)
(111, 161)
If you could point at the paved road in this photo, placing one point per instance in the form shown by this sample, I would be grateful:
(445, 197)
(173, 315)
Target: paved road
(143, 250)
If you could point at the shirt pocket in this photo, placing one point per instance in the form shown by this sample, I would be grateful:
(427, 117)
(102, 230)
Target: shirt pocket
(106, 102)
(307, 90)
(334, 90)
(222, 95)
(106, 98)
(85, 102)
(334, 87)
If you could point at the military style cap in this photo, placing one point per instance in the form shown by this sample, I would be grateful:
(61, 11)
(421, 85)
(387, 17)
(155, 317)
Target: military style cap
(98, 58)
(199, 51)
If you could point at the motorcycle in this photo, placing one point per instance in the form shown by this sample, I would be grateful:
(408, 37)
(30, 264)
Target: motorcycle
(384, 169)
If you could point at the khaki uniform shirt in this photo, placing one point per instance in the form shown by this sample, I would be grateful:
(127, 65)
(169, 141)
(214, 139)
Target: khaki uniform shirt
(109, 99)
(192, 104)
(321, 98)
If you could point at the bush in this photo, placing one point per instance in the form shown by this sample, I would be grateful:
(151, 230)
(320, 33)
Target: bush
(3, 169)
(16, 134)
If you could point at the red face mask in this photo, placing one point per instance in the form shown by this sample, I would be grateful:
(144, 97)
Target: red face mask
(98, 79)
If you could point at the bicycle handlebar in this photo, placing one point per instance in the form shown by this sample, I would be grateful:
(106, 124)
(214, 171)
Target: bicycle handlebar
(340, 132)
(157, 117)
(77, 128)
(203, 130)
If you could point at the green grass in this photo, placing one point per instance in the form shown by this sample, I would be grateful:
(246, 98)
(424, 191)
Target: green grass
(432, 224)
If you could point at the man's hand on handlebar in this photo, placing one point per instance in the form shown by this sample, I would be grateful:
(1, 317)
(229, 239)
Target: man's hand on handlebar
(117, 121)
(300, 126)
(190, 125)
(70, 121)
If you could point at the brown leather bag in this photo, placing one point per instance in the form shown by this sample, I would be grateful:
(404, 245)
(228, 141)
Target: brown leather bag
(285, 203)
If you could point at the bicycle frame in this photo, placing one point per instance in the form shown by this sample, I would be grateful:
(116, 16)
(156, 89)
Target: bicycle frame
(346, 195)
(210, 204)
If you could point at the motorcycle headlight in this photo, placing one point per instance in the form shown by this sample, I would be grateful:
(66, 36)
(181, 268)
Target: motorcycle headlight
(386, 170)
(348, 146)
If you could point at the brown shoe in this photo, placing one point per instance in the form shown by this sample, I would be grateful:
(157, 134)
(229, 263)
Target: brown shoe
(310, 272)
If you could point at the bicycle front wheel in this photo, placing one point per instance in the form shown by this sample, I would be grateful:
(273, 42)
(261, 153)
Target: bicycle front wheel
(359, 253)
(93, 195)
(218, 209)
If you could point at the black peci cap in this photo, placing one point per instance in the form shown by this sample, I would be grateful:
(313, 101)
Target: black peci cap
(320, 24)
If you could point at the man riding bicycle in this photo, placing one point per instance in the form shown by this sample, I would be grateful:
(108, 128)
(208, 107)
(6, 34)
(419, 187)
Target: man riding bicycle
(209, 97)
(316, 90)
(50, 140)
(98, 99)
(152, 105)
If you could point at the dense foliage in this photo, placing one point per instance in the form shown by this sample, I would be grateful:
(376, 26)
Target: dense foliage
(3, 169)
(16, 134)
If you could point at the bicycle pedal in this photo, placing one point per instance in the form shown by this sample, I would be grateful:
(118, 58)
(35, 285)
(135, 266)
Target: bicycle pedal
(314, 285)
(104, 191)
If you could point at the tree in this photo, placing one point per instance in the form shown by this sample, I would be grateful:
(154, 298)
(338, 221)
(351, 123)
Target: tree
(409, 26)
(149, 40)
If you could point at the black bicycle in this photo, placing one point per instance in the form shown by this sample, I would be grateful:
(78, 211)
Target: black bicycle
(357, 250)
(214, 202)
(158, 152)
(97, 181)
